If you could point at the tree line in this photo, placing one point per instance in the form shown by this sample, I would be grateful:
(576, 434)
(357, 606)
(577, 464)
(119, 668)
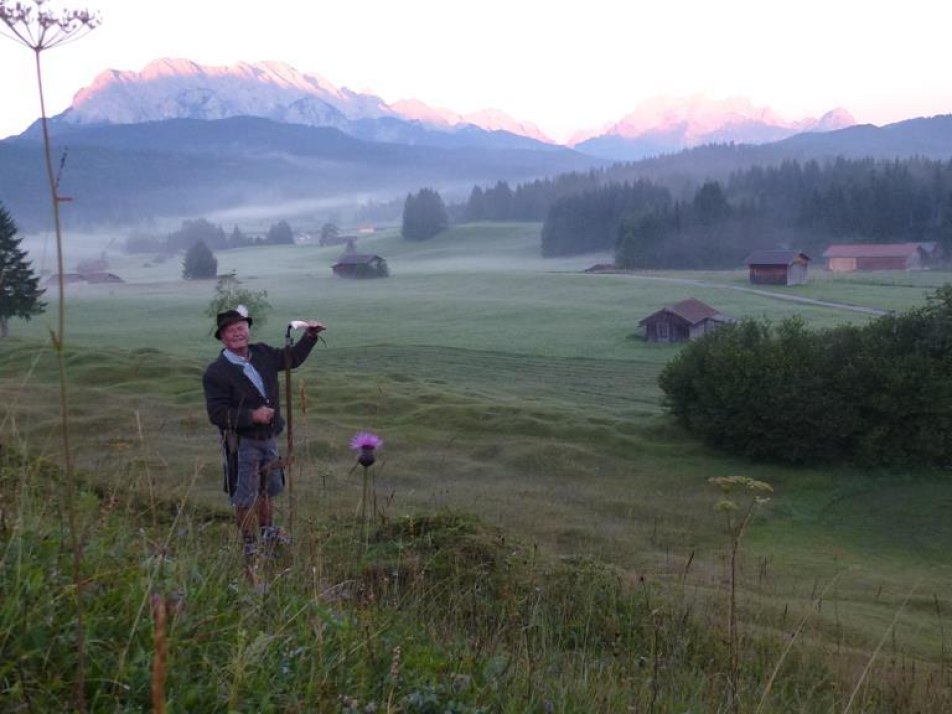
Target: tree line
(879, 394)
(792, 205)
(213, 236)
(679, 222)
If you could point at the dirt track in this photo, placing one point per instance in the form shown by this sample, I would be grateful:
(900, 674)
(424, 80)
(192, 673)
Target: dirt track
(765, 293)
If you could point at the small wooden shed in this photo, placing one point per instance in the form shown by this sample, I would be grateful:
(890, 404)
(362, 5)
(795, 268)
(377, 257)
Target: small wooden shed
(777, 267)
(356, 265)
(681, 322)
(67, 278)
(102, 278)
(874, 256)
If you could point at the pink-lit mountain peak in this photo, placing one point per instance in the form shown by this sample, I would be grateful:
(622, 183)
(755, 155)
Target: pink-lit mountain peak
(415, 110)
(284, 75)
(166, 67)
(699, 112)
(498, 120)
(166, 71)
(488, 119)
(172, 88)
(167, 88)
(688, 121)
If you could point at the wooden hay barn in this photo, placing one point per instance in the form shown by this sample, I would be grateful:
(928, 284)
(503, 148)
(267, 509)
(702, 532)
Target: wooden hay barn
(874, 256)
(777, 267)
(102, 278)
(355, 265)
(70, 278)
(681, 322)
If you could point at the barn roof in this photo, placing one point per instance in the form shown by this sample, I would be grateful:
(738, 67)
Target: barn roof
(692, 310)
(357, 259)
(67, 278)
(872, 250)
(101, 278)
(775, 257)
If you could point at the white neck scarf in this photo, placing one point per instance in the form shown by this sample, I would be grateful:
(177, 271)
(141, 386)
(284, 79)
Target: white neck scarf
(249, 369)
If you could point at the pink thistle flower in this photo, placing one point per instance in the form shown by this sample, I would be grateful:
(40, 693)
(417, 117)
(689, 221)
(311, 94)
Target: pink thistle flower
(364, 443)
(365, 440)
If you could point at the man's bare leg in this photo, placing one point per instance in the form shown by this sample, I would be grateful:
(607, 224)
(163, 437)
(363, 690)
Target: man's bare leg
(245, 516)
(264, 510)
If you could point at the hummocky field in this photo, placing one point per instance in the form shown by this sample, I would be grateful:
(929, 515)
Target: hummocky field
(506, 385)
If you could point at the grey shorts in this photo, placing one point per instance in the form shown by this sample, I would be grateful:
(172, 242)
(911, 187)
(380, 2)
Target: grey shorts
(253, 454)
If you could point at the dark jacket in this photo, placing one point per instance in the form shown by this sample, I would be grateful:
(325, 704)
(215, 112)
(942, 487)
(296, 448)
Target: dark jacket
(230, 396)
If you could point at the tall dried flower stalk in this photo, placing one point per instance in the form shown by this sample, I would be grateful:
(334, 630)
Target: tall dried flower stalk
(40, 28)
(160, 653)
(737, 517)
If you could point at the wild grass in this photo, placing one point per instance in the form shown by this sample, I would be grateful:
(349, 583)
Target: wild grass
(517, 410)
(428, 613)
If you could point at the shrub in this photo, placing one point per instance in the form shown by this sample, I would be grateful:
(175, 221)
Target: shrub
(229, 293)
(875, 395)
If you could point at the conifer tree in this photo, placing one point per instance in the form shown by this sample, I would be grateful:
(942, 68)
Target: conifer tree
(19, 285)
(199, 262)
(280, 233)
(424, 215)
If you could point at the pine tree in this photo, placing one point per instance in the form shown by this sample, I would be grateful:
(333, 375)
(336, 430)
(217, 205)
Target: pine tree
(19, 285)
(280, 233)
(199, 262)
(424, 215)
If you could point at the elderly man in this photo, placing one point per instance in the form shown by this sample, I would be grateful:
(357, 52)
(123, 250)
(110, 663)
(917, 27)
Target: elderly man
(243, 400)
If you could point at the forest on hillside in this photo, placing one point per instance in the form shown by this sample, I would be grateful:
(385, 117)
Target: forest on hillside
(716, 223)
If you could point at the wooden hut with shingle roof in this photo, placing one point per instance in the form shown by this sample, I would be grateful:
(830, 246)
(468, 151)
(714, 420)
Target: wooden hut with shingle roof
(777, 267)
(681, 322)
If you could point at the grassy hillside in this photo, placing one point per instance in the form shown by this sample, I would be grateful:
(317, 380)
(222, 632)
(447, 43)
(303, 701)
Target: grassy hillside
(512, 388)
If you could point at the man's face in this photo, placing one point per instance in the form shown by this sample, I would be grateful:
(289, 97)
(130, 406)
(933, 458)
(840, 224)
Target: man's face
(235, 337)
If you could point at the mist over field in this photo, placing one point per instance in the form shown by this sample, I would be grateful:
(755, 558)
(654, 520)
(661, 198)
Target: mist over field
(41, 248)
(303, 211)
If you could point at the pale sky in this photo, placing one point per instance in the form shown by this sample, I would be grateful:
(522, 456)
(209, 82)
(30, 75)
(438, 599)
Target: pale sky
(563, 65)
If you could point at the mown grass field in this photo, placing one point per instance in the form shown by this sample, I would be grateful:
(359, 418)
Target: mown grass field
(514, 388)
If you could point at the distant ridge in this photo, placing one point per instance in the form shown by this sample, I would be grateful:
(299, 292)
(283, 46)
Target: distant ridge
(666, 125)
(146, 146)
(182, 89)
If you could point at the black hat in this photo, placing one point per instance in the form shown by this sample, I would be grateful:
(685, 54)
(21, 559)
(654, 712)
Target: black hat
(230, 317)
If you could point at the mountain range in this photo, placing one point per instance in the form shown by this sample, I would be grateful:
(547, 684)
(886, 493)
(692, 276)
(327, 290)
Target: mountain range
(179, 139)
(181, 89)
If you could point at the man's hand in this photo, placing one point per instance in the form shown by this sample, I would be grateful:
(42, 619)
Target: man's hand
(262, 415)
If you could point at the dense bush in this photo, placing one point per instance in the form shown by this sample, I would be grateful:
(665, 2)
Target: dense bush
(878, 394)
(229, 293)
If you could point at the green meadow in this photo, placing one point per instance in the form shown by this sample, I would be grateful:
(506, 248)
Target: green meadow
(517, 390)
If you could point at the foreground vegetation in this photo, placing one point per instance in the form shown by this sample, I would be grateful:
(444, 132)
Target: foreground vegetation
(546, 539)
(431, 613)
